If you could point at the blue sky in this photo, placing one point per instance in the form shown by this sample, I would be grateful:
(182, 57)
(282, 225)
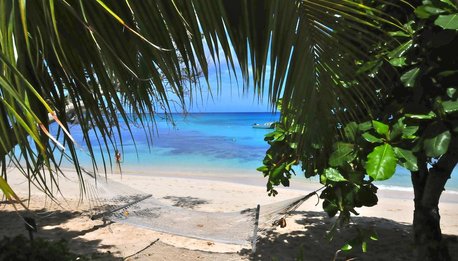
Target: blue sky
(231, 97)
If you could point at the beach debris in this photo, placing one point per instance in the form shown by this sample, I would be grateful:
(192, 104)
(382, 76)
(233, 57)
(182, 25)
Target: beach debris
(141, 250)
(281, 223)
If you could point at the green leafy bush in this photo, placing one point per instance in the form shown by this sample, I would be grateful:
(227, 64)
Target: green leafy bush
(21, 248)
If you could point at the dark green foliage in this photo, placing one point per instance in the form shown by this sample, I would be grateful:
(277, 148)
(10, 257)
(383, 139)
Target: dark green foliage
(280, 158)
(363, 236)
(416, 125)
(22, 249)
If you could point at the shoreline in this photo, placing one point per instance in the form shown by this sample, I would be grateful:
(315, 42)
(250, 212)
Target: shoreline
(255, 178)
(233, 174)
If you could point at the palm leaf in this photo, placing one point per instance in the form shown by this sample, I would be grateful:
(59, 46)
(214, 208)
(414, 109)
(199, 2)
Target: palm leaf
(110, 57)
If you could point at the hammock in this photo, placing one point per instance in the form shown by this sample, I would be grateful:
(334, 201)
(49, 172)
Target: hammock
(121, 203)
(126, 205)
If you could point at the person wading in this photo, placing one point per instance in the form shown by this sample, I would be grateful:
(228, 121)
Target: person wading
(118, 160)
(118, 156)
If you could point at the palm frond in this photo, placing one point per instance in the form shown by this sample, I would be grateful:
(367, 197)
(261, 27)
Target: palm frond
(109, 58)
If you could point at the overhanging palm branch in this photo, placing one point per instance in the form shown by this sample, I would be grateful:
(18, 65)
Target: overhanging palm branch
(108, 58)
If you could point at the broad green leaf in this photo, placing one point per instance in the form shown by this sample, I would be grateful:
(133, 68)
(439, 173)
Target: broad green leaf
(279, 136)
(429, 116)
(409, 78)
(371, 138)
(289, 165)
(276, 173)
(350, 131)
(437, 145)
(374, 237)
(285, 182)
(409, 132)
(400, 129)
(380, 128)
(330, 207)
(346, 247)
(397, 129)
(451, 92)
(356, 178)
(262, 168)
(425, 11)
(334, 175)
(450, 4)
(367, 197)
(447, 21)
(365, 126)
(364, 246)
(323, 179)
(271, 134)
(343, 153)
(381, 162)
(398, 62)
(406, 158)
(450, 106)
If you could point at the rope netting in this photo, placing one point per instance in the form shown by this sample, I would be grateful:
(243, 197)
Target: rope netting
(117, 202)
(126, 205)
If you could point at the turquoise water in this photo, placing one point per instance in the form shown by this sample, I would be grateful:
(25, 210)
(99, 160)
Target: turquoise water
(212, 143)
(199, 141)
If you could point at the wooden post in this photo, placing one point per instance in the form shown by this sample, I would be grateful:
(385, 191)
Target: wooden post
(255, 231)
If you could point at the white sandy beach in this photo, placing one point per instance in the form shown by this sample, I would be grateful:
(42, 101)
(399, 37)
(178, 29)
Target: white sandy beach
(305, 230)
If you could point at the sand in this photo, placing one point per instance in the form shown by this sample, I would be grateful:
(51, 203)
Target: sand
(302, 237)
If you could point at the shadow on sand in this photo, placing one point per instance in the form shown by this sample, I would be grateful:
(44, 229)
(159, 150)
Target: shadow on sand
(186, 202)
(48, 223)
(304, 243)
(394, 240)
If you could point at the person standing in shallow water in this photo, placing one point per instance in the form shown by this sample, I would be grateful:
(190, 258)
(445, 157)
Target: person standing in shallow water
(118, 160)
(118, 156)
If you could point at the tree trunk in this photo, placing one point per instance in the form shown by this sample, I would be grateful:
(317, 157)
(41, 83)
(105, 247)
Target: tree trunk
(429, 243)
(428, 186)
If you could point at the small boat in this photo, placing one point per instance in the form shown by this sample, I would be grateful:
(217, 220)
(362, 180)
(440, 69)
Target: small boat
(267, 125)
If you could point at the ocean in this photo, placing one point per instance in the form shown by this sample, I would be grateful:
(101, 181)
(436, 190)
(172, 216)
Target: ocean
(209, 143)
